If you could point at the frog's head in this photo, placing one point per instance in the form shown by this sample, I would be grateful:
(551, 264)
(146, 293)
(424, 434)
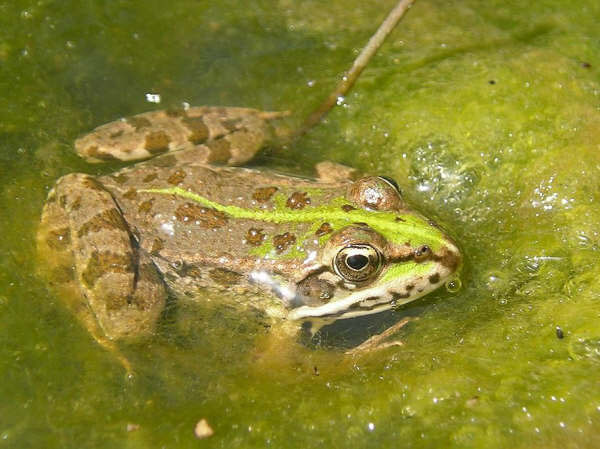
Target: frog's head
(383, 255)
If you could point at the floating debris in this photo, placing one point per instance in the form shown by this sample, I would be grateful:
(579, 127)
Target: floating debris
(131, 427)
(203, 429)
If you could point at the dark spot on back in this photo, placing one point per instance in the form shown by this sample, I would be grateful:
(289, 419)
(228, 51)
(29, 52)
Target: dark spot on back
(198, 130)
(263, 194)
(150, 177)
(324, 229)
(434, 278)
(206, 217)
(586, 65)
(131, 194)
(283, 241)
(348, 208)
(231, 124)
(145, 206)
(298, 200)
(254, 237)
(219, 151)
(399, 219)
(177, 177)
(157, 142)
(138, 122)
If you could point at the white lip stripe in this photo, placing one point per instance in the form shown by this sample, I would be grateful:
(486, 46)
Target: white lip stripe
(342, 306)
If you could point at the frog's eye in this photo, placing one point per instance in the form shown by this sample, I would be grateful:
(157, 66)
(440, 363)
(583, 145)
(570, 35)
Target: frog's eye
(392, 182)
(376, 193)
(357, 263)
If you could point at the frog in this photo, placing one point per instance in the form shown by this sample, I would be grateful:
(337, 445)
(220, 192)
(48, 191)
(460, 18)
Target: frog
(187, 217)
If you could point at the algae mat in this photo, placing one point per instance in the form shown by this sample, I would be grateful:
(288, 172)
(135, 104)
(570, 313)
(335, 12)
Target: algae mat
(487, 115)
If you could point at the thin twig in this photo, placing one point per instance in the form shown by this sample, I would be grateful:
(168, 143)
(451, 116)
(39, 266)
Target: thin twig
(359, 64)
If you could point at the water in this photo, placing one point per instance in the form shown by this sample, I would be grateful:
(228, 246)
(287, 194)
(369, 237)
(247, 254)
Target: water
(487, 116)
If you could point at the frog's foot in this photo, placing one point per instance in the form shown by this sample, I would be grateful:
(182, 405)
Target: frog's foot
(94, 262)
(376, 342)
(333, 172)
(222, 135)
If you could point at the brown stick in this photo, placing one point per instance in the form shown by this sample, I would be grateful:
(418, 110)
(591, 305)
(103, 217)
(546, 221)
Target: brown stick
(359, 64)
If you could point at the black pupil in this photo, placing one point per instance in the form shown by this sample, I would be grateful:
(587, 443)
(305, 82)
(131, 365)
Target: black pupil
(357, 261)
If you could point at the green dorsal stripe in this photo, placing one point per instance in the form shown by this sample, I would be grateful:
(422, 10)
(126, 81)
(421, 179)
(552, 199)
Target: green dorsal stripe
(413, 228)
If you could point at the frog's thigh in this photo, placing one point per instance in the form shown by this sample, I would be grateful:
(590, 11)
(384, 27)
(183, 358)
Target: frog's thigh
(120, 284)
(236, 134)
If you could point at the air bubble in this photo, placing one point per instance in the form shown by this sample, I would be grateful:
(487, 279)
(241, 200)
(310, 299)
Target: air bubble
(453, 285)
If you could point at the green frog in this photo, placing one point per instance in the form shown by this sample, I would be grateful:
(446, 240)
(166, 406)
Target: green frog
(188, 219)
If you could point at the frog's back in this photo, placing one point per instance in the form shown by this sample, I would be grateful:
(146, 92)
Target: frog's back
(235, 229)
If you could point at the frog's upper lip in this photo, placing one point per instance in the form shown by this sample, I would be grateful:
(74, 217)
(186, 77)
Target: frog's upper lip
(335, 308)
(347, 307)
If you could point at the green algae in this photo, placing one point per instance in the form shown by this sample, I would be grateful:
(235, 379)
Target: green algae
(486, 114)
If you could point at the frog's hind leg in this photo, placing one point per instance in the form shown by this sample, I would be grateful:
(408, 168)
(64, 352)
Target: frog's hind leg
(93, 262)
(224, 135)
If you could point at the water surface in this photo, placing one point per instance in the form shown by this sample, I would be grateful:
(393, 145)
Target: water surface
(486, 114)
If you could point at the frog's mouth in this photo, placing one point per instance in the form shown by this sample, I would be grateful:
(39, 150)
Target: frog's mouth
(356, 303)
(363, 302)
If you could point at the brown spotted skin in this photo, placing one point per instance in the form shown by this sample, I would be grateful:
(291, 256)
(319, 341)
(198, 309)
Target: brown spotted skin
(117, 252)
(220, 135)
(114, 253)
(112, 284)
(193, 235)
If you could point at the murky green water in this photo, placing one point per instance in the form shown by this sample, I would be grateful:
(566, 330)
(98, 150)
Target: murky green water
(485, 112)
